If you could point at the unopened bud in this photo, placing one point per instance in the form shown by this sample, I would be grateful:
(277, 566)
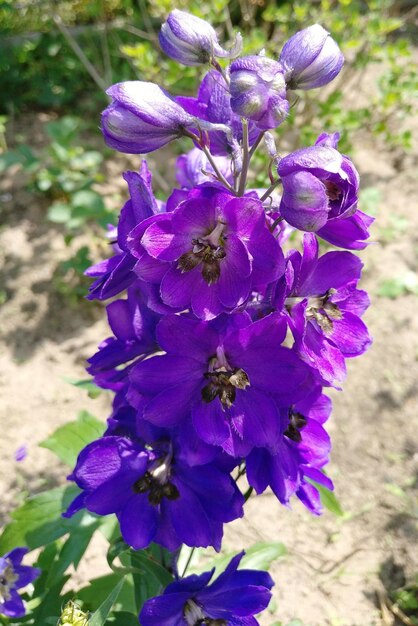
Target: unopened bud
(311, 58)
(192, 41)
(258, 90)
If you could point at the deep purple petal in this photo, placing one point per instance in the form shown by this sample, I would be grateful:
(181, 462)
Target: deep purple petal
(177, 287)
(138, 522)
(350, 335)
(162, 243)
(161, 372)
(180, 335)
(172, 405)
(210, 422)
(234, 282)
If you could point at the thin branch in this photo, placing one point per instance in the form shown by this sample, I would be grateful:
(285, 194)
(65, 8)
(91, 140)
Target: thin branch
(256, 143)
(189, 560)
(79, 53)
(270, 190)
(245, 159)
(218, 173)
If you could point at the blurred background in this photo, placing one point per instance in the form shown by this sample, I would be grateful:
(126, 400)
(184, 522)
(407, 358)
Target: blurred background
(60, 187)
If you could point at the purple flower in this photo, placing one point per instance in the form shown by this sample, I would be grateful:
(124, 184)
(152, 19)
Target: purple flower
(142, 117)
(258, 91)
(323, 307)
(319, 185)
(214, 247)
(155, 495)
(21, 453)
(13, 576)
(133, 325)
(311, 58)
(304, 450)
(226, 375)
(193, 168)
(115, 274)
(192, 41)
(231, 600)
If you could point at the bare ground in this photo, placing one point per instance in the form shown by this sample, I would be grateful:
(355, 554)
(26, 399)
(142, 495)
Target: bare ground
(335, 566)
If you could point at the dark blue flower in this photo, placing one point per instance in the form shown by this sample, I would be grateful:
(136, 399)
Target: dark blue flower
(13, 576)
(232, 599)
(155, 494)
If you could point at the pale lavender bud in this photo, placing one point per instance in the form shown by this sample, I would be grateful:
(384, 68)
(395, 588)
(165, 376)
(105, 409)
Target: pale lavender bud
(142, 118)
(311, 58)
(258, 90)
(192, 41)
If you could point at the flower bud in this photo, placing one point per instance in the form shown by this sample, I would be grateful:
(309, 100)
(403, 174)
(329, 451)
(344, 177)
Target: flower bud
(142, 118)
(311, 58)
(72, 615)
(192, 41)
(258, 91)
(319, 185)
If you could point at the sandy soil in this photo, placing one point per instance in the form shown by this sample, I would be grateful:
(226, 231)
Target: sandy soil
(334, 566)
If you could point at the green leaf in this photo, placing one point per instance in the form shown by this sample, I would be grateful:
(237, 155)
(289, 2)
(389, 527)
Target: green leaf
(68, 440)
(59, 212)
(93, 391)
(122, 618)
(401, 285)
(148, 565)
(99, 617)
(38, 521)
(89, 200)
(259, 556)
(329, 500)
(73, 550)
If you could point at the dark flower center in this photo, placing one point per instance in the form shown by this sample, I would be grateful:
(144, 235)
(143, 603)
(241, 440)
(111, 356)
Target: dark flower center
(208, 252)
(223, 380)
(332, 190)
(7, 578)
(297, 421)
(320, 309)
(194, 616)
(156, 483)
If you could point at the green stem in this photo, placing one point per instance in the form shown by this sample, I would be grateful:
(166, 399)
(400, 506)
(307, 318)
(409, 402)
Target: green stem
(248, 493)
(189, 560)
(219, 174)
(245, 158)
(270, 190)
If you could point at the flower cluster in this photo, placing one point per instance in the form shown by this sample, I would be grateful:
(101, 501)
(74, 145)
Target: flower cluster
(227, 336)
(13, 576)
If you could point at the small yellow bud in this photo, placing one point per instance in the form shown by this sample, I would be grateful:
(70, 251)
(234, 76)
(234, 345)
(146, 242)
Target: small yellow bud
(72, 615)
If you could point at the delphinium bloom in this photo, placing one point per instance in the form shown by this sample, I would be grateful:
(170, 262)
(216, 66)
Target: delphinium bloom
(223, 347)
(311, 58)
(155, 495)
(228, 375)
(142, 118)
(258, 90)
(133, 325)
(115, 274)
(215, 248)
(14, 576)
(323, 306)
(304, 449)
(192, 41)
(320, 194)
(232, 599)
